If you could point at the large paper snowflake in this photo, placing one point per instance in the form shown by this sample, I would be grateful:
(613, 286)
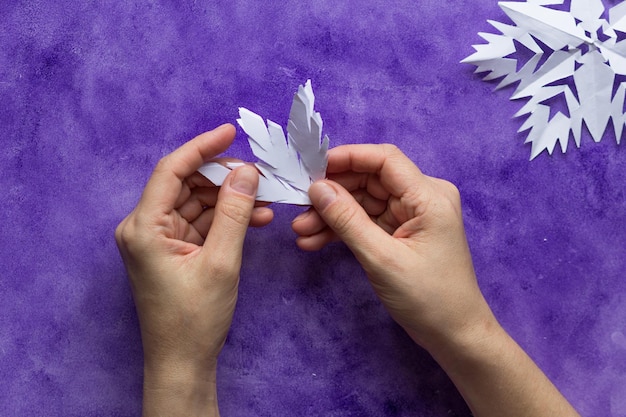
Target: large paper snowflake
(576, 56)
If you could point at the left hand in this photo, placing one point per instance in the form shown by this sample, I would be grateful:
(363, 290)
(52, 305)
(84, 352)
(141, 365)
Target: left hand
(182, 246)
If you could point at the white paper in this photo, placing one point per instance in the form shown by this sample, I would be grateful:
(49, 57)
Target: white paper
(288, 166)
(585, 51)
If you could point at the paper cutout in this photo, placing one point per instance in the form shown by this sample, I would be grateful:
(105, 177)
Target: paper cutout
(287, 166)
(584, 62)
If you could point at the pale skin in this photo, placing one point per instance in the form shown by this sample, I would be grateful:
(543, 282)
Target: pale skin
(182, 246)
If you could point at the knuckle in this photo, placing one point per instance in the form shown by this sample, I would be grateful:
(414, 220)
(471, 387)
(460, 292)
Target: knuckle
(453, 193)
(390, 149)
(119, 230)
(449, 200)
(127, 235)
(122, 235)
(163, 164)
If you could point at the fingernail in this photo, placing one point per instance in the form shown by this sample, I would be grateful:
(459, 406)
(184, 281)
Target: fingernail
(324, 194)
(244, 180)
(302, 216)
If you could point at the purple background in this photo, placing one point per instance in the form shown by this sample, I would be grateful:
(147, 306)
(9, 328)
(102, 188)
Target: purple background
(92, 94)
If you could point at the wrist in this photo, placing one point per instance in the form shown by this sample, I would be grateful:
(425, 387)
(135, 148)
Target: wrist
(474, 344)
(179, 389)
(493, 373)
(452, 337)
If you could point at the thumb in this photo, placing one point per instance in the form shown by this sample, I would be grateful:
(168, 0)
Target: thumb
(233, 211)
(345, 216)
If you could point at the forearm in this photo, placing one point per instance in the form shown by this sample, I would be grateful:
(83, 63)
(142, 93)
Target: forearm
(496, 377)
(179, 391)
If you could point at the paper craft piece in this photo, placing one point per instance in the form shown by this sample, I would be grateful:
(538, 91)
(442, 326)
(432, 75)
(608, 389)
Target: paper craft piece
(287, 166)
(576, 56)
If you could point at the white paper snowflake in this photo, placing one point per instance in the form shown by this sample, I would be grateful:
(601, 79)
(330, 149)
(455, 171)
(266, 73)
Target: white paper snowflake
(288, 166)
(576, 54)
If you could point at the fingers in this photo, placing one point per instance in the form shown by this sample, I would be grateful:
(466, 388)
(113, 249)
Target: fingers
(382, 179)
(196, 180)
(261, 216)
(166, 184)
(310, 222)
(397, 173)
(353, 181)
(317, 241)
(199, 210)
(197, 202)
(348, 220)
(233, 212)
(313, 232)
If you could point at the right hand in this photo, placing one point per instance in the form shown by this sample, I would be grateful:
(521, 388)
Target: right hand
(406, 230)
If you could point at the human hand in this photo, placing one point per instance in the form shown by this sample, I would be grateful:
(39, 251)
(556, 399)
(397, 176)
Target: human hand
(406, 230)
(182, 247)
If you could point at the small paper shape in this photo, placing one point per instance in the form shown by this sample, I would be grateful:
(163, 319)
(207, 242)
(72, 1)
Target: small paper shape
(583, 60)
(288, 166)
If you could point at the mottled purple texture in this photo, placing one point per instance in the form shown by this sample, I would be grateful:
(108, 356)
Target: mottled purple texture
(92, 94)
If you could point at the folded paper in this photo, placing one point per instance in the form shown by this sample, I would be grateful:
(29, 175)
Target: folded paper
(288, 166)
(577, 56)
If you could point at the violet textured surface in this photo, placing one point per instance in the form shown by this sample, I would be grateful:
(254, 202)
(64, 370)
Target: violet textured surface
(93, 94)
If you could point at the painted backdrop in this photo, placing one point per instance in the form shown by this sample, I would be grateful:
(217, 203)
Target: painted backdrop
(92, 94)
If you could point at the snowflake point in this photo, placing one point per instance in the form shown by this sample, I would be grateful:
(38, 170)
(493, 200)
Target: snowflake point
(566, 62)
